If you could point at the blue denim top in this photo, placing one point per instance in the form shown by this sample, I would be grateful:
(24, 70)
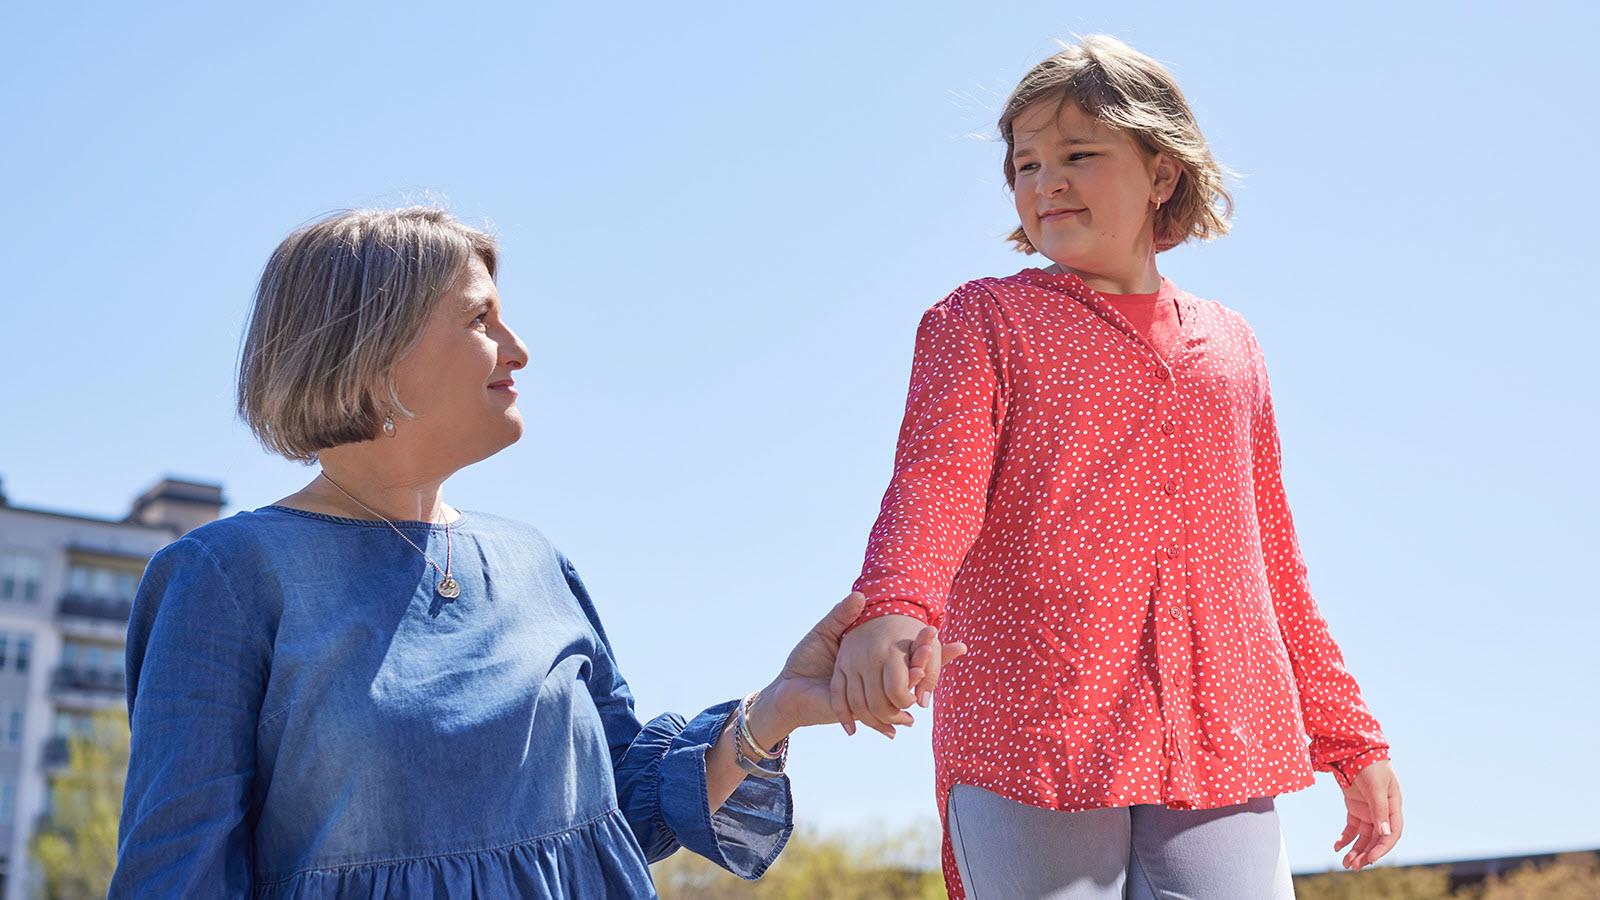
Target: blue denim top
(310, 719)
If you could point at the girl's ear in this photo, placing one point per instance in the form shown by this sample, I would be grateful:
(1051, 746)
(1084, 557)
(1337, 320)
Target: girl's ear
(1167, 174)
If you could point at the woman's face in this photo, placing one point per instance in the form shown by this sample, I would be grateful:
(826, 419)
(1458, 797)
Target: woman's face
(1085, 192)
(457, 378)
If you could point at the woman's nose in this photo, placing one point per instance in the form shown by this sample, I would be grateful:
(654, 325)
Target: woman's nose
(514, 351)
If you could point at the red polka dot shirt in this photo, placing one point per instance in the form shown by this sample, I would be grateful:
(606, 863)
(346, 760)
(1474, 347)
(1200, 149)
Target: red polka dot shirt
(1105, 527)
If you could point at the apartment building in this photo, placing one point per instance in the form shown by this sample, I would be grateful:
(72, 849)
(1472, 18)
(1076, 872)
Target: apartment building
(66, 587)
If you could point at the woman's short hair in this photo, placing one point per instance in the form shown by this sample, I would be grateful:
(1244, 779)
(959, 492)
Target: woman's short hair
(1131, 92)
(340, 302)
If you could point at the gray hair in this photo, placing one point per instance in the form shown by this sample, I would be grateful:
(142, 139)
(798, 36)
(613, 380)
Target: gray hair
(1131, 92)
(340, 302)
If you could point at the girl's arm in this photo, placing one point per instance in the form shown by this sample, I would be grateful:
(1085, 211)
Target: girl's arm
(196, 677)
(933, 508)
(1345, 737)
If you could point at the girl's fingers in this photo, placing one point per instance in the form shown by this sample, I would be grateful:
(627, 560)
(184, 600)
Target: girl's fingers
(884, 691)
(1346, 836)
(857, 694)
(896, 679)
(1386, 842)
(841, 705)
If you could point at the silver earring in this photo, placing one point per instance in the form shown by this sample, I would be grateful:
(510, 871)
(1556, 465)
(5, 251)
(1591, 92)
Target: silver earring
(388, 425)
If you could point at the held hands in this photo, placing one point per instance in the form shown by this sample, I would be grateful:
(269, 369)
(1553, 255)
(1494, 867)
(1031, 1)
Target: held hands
(799, 695)
(1374, 820)
(885, 666)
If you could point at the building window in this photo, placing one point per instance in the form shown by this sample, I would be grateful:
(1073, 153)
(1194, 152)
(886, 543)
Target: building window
(8, 799)
(94, 659)
(20, 574)
(15, 650)
(101, 583)
(14, 728)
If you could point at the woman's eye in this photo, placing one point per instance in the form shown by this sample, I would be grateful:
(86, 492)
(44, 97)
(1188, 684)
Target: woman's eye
(482, 319)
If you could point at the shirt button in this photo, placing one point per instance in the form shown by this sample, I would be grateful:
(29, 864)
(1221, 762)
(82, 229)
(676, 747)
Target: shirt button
(1168, 427)
(1170, 487)
(1172, 552)
(1177, 613)
(1159, 373)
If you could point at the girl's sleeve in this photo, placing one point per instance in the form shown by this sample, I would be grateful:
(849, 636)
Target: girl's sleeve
(660, 772)
(196, 676)
(934, 506)
(1345, 736)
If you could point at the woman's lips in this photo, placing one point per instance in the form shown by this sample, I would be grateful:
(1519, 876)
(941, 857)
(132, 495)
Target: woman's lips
(503, 387)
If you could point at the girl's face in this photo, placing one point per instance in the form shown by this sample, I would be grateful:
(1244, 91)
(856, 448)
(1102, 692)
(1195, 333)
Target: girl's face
(1086, 192)
(458, 376)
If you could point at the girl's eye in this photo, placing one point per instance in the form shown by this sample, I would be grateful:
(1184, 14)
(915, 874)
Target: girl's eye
(1077, 156)
(1027, 167)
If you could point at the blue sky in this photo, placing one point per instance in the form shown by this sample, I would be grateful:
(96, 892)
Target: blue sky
(720, 227)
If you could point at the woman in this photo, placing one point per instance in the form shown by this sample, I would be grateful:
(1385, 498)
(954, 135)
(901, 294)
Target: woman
(361, 691)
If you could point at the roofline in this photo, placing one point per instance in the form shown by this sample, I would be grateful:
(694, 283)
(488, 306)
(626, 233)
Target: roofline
(81, 517)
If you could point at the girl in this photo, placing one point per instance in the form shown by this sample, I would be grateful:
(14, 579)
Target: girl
(1087, 493)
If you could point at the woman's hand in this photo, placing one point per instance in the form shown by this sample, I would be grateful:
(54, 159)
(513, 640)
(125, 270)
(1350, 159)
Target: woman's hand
(1374, 820)
(800, 695)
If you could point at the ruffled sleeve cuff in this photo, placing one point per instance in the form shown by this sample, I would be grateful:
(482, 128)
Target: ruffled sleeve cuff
(662, 781)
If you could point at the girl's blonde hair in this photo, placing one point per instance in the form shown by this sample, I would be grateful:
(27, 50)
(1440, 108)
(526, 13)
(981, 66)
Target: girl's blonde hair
(1129, 91)
(340, 302)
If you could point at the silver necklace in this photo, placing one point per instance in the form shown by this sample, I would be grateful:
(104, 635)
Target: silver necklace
(447, 586)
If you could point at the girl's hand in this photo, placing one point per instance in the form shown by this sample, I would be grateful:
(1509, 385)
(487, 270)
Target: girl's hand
(882, 668)
(1374, 819)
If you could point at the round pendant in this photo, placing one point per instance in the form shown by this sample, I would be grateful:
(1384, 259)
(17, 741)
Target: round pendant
(448, 588)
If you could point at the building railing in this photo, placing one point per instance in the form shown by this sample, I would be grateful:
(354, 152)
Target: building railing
(95, 607)
(69, 678)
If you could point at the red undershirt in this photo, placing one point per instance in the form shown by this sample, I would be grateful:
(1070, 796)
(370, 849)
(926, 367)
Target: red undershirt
(1154, 315)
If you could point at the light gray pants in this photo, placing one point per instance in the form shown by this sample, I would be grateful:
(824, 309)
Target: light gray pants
(1007, 850)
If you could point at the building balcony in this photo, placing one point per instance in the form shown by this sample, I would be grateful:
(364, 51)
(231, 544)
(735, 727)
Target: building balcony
(97, 608)
(88, 681)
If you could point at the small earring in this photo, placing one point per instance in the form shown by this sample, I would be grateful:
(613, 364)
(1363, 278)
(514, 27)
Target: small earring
(1158, 204)
(388, 425)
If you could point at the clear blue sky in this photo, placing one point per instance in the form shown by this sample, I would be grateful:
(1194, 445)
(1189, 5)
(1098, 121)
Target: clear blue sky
(720, 228)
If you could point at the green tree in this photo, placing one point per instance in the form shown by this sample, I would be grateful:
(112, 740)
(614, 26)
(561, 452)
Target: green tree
(75, 851)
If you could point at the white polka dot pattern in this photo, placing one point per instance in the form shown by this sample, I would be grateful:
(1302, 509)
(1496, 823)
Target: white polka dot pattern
(1107, 531)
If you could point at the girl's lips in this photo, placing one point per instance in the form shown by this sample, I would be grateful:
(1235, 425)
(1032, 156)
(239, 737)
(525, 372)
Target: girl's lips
(1059, 215)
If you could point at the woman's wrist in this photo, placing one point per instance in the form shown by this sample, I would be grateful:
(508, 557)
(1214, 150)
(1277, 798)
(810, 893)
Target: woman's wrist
(765, 718)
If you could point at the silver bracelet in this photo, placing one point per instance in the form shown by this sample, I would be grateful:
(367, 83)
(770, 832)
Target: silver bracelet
(749, 736)
(744, 760)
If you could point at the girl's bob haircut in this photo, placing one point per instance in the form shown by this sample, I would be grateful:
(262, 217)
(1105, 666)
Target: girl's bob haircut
(1131, 92)
(340, 302)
